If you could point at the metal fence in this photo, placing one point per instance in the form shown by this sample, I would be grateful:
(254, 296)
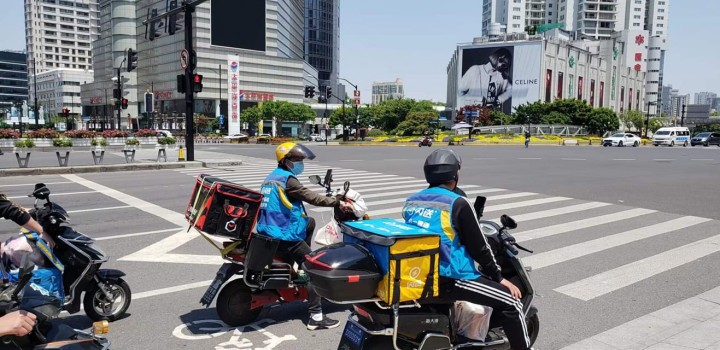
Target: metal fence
(546, 129)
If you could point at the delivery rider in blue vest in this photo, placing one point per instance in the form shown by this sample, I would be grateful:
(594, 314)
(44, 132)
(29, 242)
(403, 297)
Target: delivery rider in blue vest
(283, 217)
(443, 208)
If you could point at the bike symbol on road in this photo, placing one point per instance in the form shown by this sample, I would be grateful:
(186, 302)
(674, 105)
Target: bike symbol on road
(217, 328)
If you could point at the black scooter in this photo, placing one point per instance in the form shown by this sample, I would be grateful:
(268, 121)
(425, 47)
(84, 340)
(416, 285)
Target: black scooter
(107, 295)
(49, 332)
(376, 325)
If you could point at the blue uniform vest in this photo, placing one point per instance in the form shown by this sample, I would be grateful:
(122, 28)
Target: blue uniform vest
(280, 218)
(431, 210)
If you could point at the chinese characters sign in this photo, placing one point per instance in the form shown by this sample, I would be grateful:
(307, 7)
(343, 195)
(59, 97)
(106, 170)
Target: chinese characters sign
(233, 94)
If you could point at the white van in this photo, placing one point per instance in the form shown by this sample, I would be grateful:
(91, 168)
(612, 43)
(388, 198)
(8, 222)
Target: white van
(671, 136)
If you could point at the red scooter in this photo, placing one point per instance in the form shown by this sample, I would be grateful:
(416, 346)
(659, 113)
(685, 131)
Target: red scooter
(266, 279)
(425, 142)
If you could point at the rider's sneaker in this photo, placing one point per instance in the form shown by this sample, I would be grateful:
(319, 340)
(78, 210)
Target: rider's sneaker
(326, 323)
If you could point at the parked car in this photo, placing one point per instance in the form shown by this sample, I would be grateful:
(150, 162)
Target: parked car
(706, 139)
(622, 139)
(263, 138)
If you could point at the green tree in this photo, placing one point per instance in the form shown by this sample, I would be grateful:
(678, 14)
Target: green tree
(577, 110)
(655, 124)
(344, 116)
(714, 114)
(555, 117)
(252, 116)
(531, 113)
(634, 119)
(601, 120)
(499, 118)
(281, 111)
(416, 123)
(391, 113)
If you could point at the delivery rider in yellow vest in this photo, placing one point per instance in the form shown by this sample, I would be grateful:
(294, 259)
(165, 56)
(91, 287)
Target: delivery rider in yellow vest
(443, 208)
(283, 217)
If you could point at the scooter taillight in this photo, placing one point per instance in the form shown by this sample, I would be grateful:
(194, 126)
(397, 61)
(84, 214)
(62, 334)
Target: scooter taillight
(361, 312)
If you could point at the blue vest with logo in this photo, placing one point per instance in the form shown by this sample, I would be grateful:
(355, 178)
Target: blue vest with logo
(431, 209)
(280, 218)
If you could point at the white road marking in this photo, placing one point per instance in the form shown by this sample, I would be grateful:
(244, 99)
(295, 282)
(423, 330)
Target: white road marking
(575, 251)
(558, 211)
(127, 235)
(622, 159)
(154, 209)
(352, 160)
(663, 159)
(706, 159)
(580, 224)
(530, 158)
(675, 324)
(99, 209)
(488, 208)
(396, 159)
(609, 281)
(169, 290)
(484, 158)
(401, 200)
(33, 185)
(573, 159)
(387, 194)
(57, 194)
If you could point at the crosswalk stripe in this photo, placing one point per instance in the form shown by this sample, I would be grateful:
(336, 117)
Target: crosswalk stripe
(263, 175)
(558, 211)
(337, 181)
(264, 172)
(490, 208)
(401, 200)
(580, 224)
(609, 281)
(574, 251)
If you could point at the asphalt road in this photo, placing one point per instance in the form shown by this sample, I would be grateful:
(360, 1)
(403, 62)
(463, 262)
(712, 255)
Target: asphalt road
(591, 214)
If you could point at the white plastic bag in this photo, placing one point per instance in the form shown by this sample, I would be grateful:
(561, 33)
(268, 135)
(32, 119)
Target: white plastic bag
(329, 234)
(472, 320)
(358, 203)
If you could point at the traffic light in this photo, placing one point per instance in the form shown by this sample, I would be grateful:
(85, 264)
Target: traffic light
(150, 27)
(328, 92)
(66, 112)
(181, 83)
(197, 83)
(149, 102)
(172, 19)
(116, 93)
(124, 103)
(132, 60)
(309, 91)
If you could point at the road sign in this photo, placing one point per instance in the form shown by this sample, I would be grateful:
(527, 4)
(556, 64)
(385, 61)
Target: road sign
(356, 101)
(357, 93)
(222, 119)
(184, 59)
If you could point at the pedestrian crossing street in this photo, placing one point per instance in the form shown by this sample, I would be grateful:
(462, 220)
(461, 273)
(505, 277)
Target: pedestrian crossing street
(559, 229)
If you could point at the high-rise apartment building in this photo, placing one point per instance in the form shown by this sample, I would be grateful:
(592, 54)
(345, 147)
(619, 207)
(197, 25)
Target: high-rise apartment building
(704, 98)
(59, 35)
(13, 79)
(322, 43)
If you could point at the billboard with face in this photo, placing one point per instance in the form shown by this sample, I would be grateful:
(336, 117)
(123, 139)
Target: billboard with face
(500, 77)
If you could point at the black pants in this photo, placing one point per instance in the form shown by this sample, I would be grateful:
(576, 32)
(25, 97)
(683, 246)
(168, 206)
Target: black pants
(483, 291)
(295, 252)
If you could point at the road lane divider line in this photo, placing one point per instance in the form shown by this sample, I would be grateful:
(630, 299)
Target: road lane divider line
(128, 235)
(612, 280)
(58, 194)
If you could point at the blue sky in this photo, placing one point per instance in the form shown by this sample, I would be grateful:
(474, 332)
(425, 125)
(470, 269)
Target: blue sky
(414, 40)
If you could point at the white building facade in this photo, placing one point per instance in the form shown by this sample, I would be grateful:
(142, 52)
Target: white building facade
(271, 61)
(604, 75)
(59, 37)
(383, 91)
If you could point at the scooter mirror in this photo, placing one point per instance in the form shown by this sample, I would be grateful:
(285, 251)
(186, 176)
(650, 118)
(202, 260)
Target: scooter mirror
(479, 205)
(314, 179)
(41, 192)
(508, 222)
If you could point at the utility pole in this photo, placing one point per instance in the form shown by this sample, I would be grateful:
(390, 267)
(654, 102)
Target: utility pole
(37, 112)
(682, 116)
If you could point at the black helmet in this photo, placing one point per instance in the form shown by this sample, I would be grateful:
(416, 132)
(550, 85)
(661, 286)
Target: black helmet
(441, 166)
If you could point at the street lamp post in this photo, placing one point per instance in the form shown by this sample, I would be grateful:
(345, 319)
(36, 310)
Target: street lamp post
(357, 114)
(37, 112)
(647, 117)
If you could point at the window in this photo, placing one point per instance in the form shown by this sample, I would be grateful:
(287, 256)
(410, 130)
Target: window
(516, 9)
(516, 26)
(550, 5)
(660, 25)
(550, 14)
(637, 16)
(516, 17)
(659, 32)
(661, 17)
(48, 9)
(661, 10)
(637, 9)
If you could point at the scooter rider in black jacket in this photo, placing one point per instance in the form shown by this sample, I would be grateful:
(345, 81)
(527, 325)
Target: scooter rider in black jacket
(462, 244)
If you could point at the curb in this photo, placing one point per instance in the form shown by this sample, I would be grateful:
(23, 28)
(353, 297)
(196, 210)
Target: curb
(114, 167)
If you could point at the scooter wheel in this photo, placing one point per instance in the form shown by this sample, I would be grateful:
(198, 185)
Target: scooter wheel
(533, 328)
(98, 307)
(233, 304)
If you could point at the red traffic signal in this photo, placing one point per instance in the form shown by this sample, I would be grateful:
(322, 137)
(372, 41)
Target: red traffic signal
(66, 111)
(124, 103)
(197, 83)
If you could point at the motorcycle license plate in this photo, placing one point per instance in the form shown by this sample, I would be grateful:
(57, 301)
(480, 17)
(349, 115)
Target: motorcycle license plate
(353, 337)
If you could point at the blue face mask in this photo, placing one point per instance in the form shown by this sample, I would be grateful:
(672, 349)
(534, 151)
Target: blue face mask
(298, 168)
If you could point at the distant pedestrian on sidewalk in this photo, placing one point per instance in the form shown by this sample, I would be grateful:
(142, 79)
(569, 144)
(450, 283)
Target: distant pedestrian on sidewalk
(527, 139)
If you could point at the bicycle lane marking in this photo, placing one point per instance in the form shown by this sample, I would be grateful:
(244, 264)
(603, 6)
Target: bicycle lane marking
(237, 341)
